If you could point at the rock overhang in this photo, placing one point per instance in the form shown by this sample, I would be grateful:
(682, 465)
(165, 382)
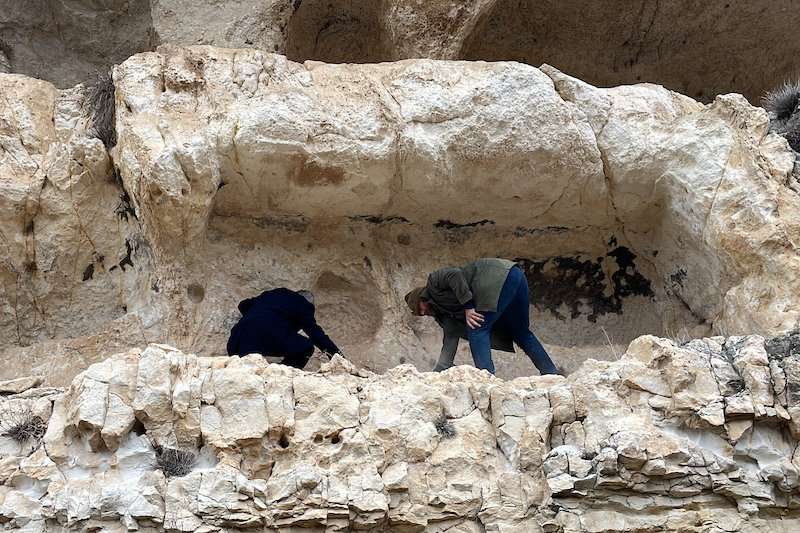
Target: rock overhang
(605, 43)
(631, 209)
(447, 154)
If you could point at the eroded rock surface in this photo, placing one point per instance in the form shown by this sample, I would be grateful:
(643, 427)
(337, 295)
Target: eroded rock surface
(669, 438)
(68, 42)
(701, 49)
(631, 210)
(68, 235)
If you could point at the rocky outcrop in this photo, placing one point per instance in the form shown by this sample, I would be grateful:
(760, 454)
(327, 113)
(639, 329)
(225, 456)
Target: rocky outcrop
(67, 234)
(697, 48)
(669, 438)
(137, 211)
(632, 210)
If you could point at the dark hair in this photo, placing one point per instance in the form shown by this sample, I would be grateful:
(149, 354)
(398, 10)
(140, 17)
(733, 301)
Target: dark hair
(308, 295)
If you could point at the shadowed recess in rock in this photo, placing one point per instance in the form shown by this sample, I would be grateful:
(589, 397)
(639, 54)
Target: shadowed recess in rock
(582, 285)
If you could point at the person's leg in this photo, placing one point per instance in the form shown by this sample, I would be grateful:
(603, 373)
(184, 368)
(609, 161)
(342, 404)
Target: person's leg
(300, 359)
(480, 344)
(516, 317)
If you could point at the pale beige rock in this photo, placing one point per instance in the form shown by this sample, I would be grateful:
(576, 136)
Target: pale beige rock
(21, 384)
(336, 177)
(633, 153)
(231, 157)
(311, 422)
(19, 510)
(60, 360)
(151, 404)
(395, 477)
(119, 419)
(352, 465)
(64, 232)
(89, 415)
(752, 364)
(239, 411)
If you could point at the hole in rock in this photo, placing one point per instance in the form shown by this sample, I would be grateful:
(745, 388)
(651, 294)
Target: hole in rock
(591, 292)
(593, 305)
(138, 427)
(347, 308)
(196, 293)
(337, 31)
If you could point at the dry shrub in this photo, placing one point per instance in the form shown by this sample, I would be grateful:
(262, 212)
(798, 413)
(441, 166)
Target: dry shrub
(444, 427)
(782, 102)
(174, 462)
(22, 425)
(102, 110)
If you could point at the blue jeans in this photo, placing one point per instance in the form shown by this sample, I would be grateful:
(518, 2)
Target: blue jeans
(513, 310)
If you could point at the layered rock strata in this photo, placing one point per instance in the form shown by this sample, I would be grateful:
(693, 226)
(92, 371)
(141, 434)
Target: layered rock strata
(695, 437)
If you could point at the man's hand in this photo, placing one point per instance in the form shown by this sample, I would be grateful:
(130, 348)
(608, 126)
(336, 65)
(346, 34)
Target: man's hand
(474, 318)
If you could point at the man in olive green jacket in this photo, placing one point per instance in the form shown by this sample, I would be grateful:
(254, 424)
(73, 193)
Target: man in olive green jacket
(480, 294)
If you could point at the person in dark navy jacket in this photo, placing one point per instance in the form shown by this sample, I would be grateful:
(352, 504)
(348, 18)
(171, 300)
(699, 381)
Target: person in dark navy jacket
(270, 324)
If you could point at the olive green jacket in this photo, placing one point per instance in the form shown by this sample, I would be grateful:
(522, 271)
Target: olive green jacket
(481, 281)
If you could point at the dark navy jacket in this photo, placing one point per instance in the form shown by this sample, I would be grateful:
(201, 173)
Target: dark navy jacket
(270, 325)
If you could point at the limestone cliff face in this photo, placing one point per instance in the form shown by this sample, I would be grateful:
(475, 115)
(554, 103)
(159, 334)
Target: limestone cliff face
(638, 215)
(695, 437)
(697, 48)
(632, 210)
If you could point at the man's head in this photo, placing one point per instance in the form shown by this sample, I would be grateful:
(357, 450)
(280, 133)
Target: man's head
(418, 305)
(307, 295)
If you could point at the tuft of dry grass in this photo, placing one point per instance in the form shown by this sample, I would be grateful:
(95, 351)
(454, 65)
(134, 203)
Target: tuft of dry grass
(174, 462)
(783, 101)
(444, 427)
(610, 344)
(102, 110)
(22, 425)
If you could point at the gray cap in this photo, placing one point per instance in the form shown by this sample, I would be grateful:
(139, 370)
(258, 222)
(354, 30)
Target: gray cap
(307, 295)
